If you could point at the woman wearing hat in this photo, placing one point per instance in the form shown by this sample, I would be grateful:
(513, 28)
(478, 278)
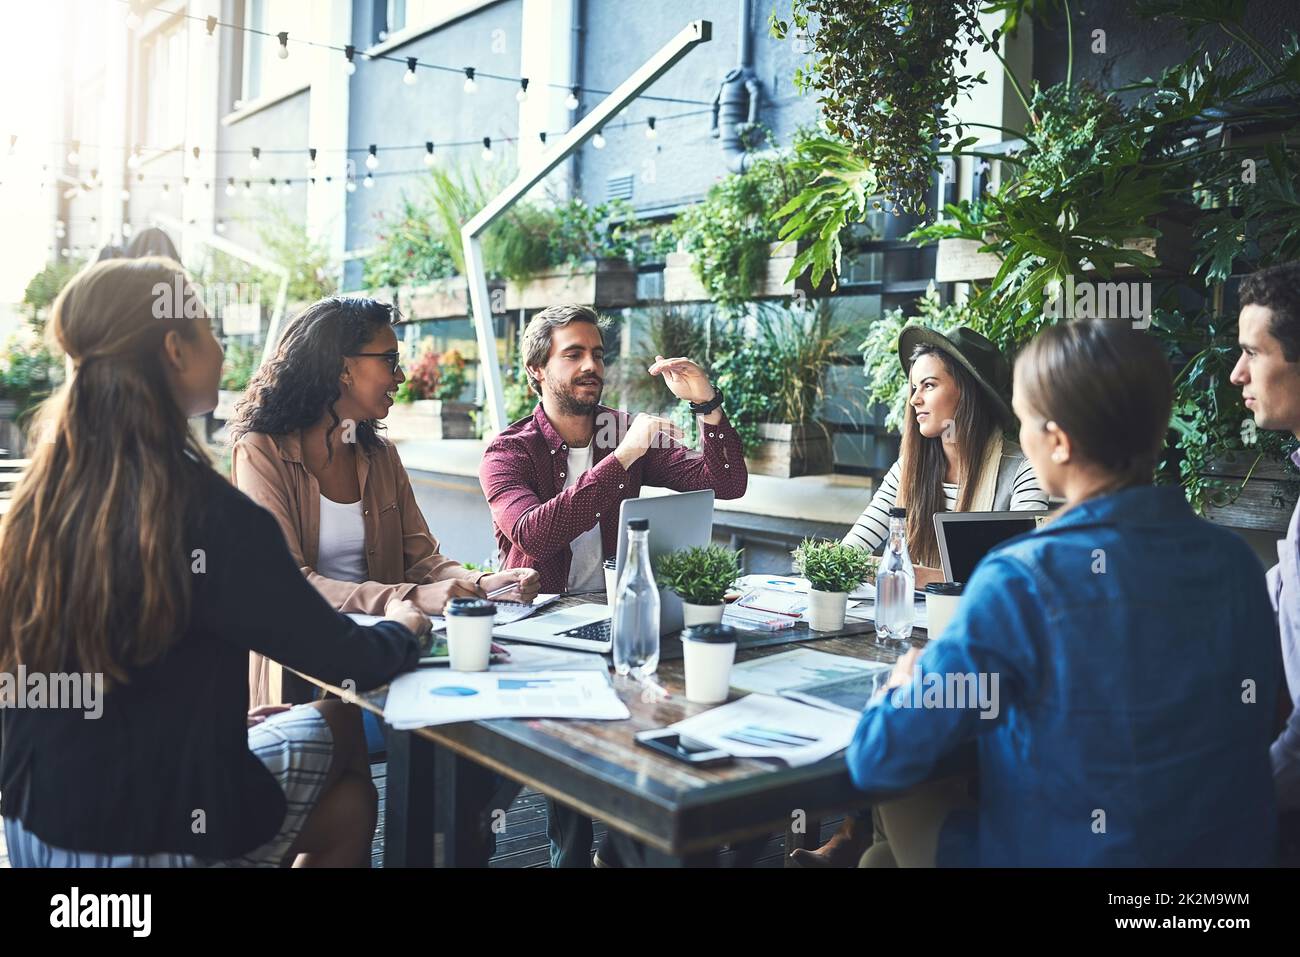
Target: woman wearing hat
(954, 458)
(954, 455)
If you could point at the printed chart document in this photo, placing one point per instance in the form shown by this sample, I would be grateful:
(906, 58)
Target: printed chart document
(767, 727)
(422, 698)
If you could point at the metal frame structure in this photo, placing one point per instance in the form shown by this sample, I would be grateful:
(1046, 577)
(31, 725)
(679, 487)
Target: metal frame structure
(693, 34)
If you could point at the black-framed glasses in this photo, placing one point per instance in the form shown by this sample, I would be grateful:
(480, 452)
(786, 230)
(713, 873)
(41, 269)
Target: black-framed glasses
(394, 358)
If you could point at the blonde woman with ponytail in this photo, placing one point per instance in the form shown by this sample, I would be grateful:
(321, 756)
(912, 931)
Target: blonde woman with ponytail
(130, 568)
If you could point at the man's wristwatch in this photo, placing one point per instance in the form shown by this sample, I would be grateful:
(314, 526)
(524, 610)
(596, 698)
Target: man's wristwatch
(704, 408)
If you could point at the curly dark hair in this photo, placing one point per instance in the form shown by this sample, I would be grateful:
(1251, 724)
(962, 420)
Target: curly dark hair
(1277, 288)
(301, 381)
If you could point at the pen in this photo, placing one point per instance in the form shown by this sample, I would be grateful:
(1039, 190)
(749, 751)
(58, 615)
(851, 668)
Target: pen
(502, 590)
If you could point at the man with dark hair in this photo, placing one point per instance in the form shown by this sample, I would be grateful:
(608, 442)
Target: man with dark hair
(1269, 375)
(554, 480)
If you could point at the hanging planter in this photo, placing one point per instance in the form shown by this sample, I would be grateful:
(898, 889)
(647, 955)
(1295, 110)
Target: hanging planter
(602, 283)
(681, 284)
(1265, 501)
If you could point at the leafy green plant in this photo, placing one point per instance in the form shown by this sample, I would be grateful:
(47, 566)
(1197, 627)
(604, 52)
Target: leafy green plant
(45, 286)
(451, 375)
(28, 371)
(240, 363)
(700, 575)
(832, 566)
(520, 400)
(885, 75)
(730, 232)
(422, 375)
(409, 248)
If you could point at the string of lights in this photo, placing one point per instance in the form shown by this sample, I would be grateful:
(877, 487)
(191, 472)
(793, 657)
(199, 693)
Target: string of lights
(413, 65)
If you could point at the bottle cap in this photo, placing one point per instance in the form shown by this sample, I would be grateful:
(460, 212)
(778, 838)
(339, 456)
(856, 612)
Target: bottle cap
(897, 512)
(638, 525)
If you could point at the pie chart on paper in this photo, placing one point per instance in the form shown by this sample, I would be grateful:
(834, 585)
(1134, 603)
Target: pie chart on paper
(453, 691)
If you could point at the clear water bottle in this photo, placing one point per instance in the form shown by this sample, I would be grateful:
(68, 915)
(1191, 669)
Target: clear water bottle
(636, 607)
(895, 584)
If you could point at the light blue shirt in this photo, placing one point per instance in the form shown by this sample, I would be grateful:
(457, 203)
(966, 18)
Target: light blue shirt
(1137, 667)
(1284, 590)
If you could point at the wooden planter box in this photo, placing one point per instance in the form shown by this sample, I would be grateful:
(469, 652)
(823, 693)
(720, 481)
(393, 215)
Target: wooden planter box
(960, 260)
(431, 419)
(605, 283)
(227, 399)
(682, 285)
(790, 450)
(1267, 500)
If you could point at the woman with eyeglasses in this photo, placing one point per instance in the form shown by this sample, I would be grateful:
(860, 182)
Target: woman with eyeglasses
(307, 447)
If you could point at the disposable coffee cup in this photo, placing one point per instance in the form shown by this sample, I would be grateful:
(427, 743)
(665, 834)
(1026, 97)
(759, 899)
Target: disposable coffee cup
(941, 601)
(469, 633)
(709, 651)
(611, 580)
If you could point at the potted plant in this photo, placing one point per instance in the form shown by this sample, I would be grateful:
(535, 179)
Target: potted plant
(428, 403)
(833, 570)
(700, 576)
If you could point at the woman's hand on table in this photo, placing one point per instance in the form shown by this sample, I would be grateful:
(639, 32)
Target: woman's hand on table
(526, 581)
(902, 673)
(432, 599)
(410, 614)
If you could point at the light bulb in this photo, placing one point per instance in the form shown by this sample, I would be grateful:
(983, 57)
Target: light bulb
(287, 187)
(271, 186)
(248, 188)
(598, 141)
(429, 158)
(487, 155)
(372, 160)
(411, 77)
(283, 52)
(255, 160)
(522, 94)
(221, 225)
(470, 86)
(349, 67)
(133, 161)
(650, 128)
(368, 182)
(230, 187)
(351, 186)
(571, 101)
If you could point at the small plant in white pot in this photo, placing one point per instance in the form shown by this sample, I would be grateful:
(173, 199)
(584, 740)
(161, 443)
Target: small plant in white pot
(833, 570)
(700, 576)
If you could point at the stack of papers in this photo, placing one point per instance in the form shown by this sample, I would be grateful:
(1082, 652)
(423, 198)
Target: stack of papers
(419, 699)
(766, 727)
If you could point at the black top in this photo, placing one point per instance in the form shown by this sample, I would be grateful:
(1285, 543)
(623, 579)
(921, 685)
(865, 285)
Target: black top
(174, 739)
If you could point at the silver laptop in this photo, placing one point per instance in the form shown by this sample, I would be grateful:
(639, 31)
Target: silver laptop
(966, 537)
(676, 521)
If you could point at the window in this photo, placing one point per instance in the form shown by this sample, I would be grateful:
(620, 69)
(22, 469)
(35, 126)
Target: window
(166, 69)
(264, 73)
(393, 16)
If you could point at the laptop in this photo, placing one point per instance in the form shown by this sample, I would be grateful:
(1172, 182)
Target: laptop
(966, 537)
(677, 521)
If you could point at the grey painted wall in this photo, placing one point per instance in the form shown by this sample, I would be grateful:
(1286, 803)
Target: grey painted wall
(280, 126)
(385, 111)
(681, 164)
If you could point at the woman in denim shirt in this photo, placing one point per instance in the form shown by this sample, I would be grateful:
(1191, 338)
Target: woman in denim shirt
(1125, 656)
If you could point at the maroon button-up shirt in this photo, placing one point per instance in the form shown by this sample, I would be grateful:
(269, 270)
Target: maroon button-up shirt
(535, 517)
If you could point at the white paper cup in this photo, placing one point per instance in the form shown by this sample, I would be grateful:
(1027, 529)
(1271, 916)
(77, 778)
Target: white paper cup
(941, 602)
(709, 652)
(469, 633)
(611, 581)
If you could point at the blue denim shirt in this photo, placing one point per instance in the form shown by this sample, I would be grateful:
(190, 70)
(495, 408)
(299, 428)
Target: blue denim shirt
(1137, 665)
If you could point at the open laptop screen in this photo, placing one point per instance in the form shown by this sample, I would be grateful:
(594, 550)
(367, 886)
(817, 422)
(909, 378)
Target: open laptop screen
(966, 537)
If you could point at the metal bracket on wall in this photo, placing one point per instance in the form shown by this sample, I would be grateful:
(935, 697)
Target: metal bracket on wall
(695, 33)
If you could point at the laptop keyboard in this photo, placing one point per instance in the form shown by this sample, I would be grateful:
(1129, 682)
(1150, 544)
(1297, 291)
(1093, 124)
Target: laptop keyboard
(595, 631)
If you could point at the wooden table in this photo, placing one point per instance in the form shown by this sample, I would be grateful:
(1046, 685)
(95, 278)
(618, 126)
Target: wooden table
(676, 815)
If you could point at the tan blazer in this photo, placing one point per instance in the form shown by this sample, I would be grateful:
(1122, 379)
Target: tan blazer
(400, 551)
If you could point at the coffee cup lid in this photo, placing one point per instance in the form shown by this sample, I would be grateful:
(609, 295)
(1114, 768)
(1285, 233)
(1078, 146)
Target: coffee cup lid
(710, 634)
(945, 588)
(471, 607)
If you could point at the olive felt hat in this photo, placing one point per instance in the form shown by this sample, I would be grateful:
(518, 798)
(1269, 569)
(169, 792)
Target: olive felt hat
(975, 353)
